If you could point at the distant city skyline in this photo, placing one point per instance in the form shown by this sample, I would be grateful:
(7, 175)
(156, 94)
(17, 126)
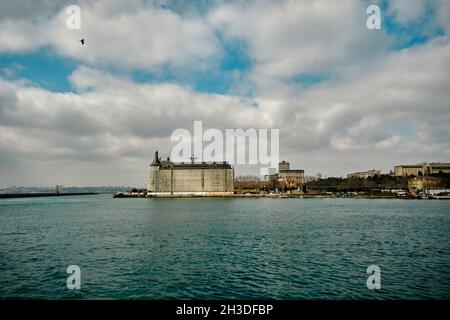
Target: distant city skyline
(344, 98)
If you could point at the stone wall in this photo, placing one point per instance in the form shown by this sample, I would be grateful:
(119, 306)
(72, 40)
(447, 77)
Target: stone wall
(208, 180)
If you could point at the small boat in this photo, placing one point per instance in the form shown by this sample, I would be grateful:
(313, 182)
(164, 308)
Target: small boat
(443, 196)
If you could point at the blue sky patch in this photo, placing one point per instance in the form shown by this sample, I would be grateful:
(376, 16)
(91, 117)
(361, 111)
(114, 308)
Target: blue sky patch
(42, 67)
(413, 33)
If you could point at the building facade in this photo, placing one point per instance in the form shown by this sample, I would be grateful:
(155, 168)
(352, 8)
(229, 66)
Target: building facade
(189, 179)
(297, 176)
(422, 169)
(290, 177)
(283, 165)
(364, 174)
(407, 170)
(424, 184)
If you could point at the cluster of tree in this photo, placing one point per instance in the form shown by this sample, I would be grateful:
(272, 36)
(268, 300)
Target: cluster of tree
(334, 184)
(445, 178)
(138, 190)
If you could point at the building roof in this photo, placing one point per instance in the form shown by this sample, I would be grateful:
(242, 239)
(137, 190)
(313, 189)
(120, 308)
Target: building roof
(200, 165)
(365, 172)
(420, 165)
(156, 160)
(167, 164)
(410, 165)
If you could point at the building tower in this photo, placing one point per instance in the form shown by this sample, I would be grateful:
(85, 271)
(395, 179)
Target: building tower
(153, 177)
(283, 166)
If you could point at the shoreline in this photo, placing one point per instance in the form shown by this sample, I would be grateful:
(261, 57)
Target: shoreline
(44, 194)
(273, 196)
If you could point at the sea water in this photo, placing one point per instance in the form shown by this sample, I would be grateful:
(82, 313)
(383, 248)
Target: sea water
(223, 248)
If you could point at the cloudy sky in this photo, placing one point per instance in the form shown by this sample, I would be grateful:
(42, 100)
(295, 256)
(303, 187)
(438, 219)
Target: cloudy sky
(345, 98)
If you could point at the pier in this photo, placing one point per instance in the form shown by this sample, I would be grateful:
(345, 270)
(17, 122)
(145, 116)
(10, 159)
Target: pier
(44, 194)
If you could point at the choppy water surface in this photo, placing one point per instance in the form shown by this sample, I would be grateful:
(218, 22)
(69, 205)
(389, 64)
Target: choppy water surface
(224, 248)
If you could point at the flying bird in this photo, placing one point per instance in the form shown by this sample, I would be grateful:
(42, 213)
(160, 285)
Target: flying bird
(82, 41)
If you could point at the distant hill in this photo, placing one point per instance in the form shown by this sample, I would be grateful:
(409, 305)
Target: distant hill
(64, 189)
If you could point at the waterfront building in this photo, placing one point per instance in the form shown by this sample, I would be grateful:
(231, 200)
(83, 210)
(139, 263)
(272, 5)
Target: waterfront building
(283, 165)
(247, 178)
(271, 175)
(407, 170)
(292, 176)
(425, 184)
(254, 187)
(364, 174)
(167, 178)
(422, 169)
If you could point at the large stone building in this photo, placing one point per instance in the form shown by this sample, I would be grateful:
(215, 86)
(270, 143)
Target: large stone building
(285, 174)
(422, 169)
(189, 179)
(364, 174)
(290, 176)
(424, 184)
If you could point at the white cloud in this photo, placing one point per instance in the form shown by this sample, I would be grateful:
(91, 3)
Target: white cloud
(112, 118)
(406, 11)
(300, 37)
(377, 107)
(114, 121)
(132, 36)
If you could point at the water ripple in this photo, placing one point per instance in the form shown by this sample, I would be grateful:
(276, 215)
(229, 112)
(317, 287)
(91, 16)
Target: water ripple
(224, 249)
